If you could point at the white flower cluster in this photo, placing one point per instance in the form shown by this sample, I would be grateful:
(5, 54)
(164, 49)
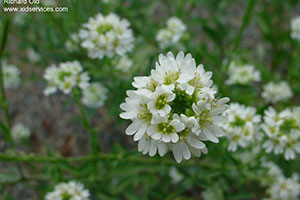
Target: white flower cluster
(106, 36)
(295, 28)
(11, 76)
(94, 95)
(274, 92)
(124, 64)
(242, 127)
(282, 131)
(65, 77)
(280, 187)
(242, 74)
(172, 34)
(19, 132)
(68, 191)
(174, 108)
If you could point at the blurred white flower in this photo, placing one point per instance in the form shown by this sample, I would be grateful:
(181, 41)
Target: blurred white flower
(274, 92)
(295, 28)
(285, 188)
(11, 76)
(94, 95)
(280, 187)
(70, 190)
(65, 77)
(49, 2)
(174, 108)
(242, 127)
(19, 18)
(172, 33)
(106, 36)
(71, 44)
(19, 132)
(282, 131)
(124, 64)
(175, 175)
(242, 74)
(209, 195)
(33, 56)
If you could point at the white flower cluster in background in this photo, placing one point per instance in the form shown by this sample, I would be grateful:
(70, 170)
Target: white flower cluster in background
(174, 108)
(33, 56)
(242, 127)
(106, 36)
(280, 187)
(11, 76)
(175, 175)
(275, 92)
(242, 74)
(295, 28)
(68, 191)
(94, 95)
(65, 77)
(172, 34)
(124, 64)
(282, 132)
(19, 132)
(71, 44)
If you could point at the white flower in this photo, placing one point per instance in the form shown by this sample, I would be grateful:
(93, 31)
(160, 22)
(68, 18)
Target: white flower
(19, 132)
(174, 109)
(295, 28)
(242, 74)
(282, 131)
(11, 76)
(106, 36)
(65, 77)
(285, 188)
(242, 127)
(95, 95)
(175, 175)
(33, 56)
(71, 44)
(124, 64)
(160, 99)
(172, 34)
(274, 92)
(70, 190)
(280, 187)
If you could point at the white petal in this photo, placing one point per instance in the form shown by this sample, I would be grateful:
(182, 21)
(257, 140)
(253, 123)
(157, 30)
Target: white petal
(195, 143)
(133, 127)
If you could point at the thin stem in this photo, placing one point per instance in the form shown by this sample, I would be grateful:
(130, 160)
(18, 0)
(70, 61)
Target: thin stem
(245, 22)
(99, 157)
(86, 124)
(3, 103)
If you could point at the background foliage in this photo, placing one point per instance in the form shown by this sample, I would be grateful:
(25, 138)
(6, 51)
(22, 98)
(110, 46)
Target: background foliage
(253, 31)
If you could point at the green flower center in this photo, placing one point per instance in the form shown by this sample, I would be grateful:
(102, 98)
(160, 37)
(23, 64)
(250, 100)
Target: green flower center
(238, 122)
(66, 196)
(171, 77)
(184, 133)
(165, 128)
(161, 101)
(63, 74)
(204, 117)
(288, 125)
(196, 82)
(152, 85)
(144, 113)
(104, 28)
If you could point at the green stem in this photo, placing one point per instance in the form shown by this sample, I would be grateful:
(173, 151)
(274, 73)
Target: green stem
(87, 126)
(103, 157)
(3, 103)
(245, 22)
